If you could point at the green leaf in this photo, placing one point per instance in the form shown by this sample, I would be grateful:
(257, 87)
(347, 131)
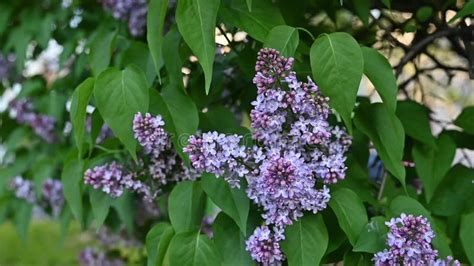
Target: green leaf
(139, 55)
(424, 13)
(386, 132)
(218, 118)
(124, 205)
(157, 242)
(257, 23)
(306, 240)
(232, 201)
(186, 206)
(387, 3)
(192, 249)
(337, 65)
(171, 58)
(454, 194)
(466, 234)
(5, 13)
(183, 112)
(196, 21)
(432, 164)
(372, 239)
(362, 9)
(80, 99)
(416, 121)
(467, 10)
(249, 5)
(22, 218)
(284, 39)
(350, 213)
(101, 50)
(466, 119)
(100, 203)
(407, 205)
(155, 22)
(119, 96)
(380, 73)
(230, 242)
(71, 178)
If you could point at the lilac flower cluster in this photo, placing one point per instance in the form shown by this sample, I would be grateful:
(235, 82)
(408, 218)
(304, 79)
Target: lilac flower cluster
(218, 154)
(132, 11)
(24, 189)
(6, 65)
(164, 164)
(264, 247)
(92, 257)
(409, 240)
(112, 178)
(42, 125)
(53, 195)
(296, 148)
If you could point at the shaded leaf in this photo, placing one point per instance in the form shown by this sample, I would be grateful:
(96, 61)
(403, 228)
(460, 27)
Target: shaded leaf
(101, 50)
(155, 22)
(186, 206)
(416, 121)
(233, 201)
(129, 91)
(387, 134)
(306, 240)
(468, 9)
(196, 21)
(466, 234)
(157, 242)
(192, 249)
(100, 203)
(350, 212)
(258, 23)
(80, 99)
(230, 242)
(432, 164)
(373, 237)
(380, 73)
(466, 119)
(71, 177)
(284, 39)
(337, 65)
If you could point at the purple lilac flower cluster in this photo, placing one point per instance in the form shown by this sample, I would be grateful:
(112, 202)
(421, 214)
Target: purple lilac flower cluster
(42, 125)
(132, 11)
(92, 257)
(24, 189)
(6, 65)
(51, 189)
(296, 148)
(112, 178)
(409, 240)
(164, 164)
(53, 195)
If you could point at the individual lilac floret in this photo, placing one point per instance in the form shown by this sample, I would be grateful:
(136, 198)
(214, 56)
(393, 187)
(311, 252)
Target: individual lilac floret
(264, 247)
(150, 134)
(285, 188)
(24, 189)
(53, 194)
(218, 154)
(409, 240)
